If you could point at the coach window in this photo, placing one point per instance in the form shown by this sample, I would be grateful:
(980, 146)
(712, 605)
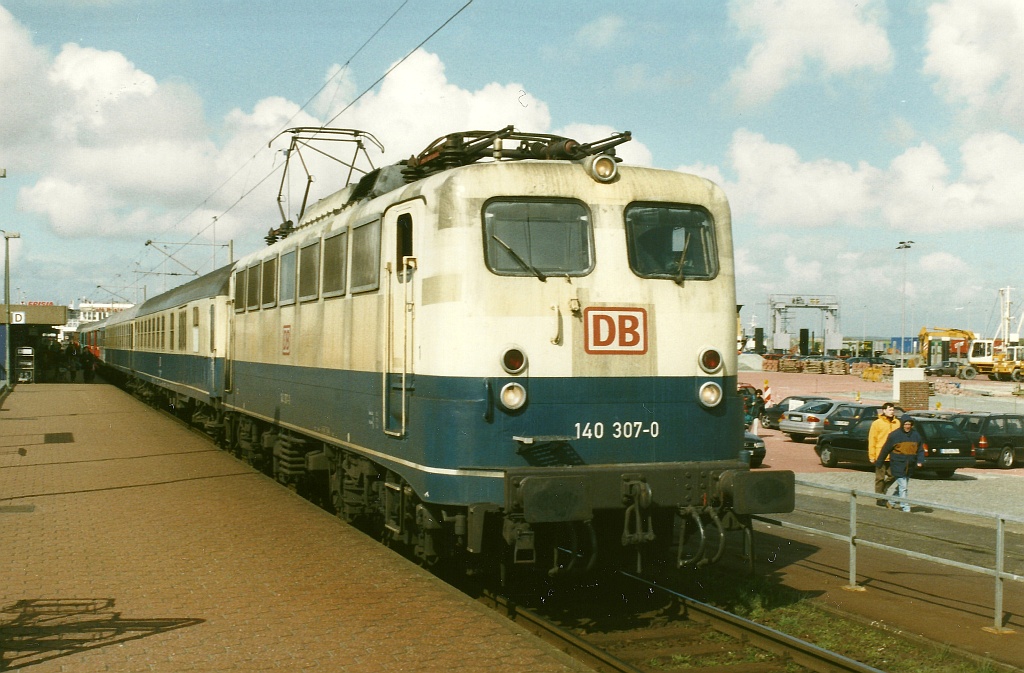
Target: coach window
(269, 282)
(240, 277)
(195, 328)
(528, 237)
(335, 256)
(403, 244)
(309, 271)
(163, 332)
(287, 288)
(252, 293)
(366, 257)
(671, 241)
(182, 338)
(170, 343)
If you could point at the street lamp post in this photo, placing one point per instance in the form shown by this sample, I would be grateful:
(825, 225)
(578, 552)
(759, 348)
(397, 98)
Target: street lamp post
(8, 235)
(904, 245)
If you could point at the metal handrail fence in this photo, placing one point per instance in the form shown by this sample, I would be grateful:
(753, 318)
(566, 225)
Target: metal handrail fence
(998, 572)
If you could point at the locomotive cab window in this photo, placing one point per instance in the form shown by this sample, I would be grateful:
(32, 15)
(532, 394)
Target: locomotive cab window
(671, 241)
(537, 238)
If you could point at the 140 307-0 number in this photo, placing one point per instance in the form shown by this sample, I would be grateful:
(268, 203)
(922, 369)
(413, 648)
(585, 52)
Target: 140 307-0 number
(617, 430)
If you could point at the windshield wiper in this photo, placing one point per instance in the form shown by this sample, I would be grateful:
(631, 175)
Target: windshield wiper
(682, 260)
(522, 262)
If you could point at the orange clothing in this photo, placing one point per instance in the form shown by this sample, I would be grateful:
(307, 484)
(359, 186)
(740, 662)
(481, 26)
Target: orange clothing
(878, 433)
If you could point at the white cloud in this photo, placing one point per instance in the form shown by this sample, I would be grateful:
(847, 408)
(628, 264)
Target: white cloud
(778, 189)
(27, 100)
(839, 36)
(920, 194)
(601, 32)
(975, 52)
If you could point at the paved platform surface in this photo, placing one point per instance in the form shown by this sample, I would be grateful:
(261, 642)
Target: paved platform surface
(129, 544)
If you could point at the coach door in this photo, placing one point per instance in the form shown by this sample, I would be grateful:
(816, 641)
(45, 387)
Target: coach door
(400, 280)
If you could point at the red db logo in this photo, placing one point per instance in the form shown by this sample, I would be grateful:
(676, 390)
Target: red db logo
(615, 331)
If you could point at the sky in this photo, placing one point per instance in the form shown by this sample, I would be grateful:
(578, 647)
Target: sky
(837, 129)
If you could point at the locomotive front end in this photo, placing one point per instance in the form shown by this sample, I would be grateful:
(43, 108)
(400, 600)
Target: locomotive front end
(597, 310)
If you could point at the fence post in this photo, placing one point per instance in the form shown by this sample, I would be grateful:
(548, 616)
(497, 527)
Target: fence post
(853, 586)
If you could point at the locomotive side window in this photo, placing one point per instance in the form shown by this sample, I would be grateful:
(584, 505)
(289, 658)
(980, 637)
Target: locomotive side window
(309, 271)
(253, 288)
(366, 257)
(671, 241)
(287, 290)
(403, 244)
(335, 254)
(269, 282)
(537, 238)
(240, 277)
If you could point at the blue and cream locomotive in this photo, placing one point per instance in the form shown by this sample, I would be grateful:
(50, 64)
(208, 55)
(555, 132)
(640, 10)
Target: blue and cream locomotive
(508, 348)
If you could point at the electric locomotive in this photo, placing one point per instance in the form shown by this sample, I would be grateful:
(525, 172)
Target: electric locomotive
(508, 349)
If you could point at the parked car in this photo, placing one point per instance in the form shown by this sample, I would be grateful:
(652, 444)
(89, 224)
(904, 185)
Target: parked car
(755, 445)
(847, 412)
(998, 438)
(770, 417)
(944, 368)
(947, 448)
(808, 420)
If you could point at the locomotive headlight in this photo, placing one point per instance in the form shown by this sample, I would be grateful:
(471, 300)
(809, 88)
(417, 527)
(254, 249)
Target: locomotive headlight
(513, 396)
(710, 360)
(602, 167)
(710, 394)
(513, 361)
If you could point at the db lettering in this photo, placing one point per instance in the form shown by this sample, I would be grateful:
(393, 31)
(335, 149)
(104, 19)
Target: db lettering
(613, 330)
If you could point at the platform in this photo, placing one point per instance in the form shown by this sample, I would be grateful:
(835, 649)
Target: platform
(131, 544)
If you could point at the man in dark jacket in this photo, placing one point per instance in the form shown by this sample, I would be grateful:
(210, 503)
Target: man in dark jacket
(906, 447)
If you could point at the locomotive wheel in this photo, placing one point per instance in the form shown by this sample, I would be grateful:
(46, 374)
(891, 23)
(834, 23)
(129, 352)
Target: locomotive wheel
(828, 458)
(1006, 458)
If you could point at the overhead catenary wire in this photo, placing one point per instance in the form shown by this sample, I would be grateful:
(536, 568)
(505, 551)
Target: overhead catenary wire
(332, 78)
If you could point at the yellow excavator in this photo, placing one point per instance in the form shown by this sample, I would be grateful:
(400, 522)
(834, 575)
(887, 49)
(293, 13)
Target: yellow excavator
(947, 343)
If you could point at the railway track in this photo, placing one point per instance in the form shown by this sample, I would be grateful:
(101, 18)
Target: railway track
(694, 635)
(699, 636)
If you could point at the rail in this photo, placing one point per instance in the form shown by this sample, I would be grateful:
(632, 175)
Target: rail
(998, 572)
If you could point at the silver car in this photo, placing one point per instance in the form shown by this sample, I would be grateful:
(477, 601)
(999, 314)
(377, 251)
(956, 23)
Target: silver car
(808, 420)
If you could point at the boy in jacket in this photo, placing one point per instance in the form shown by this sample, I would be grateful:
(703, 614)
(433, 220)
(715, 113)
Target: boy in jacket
(905, 448)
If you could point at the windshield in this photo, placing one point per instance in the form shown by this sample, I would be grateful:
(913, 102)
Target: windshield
(537, 238)
(671, 241)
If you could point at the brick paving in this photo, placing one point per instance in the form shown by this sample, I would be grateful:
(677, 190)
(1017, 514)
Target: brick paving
(130, 544)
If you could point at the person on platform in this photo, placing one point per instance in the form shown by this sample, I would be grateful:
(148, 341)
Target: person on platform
(905, 450)
(756, 409)
(877, 434)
